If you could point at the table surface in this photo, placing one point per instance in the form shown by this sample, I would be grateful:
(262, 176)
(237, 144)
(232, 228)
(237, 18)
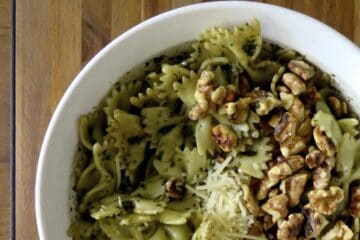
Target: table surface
(54, 39)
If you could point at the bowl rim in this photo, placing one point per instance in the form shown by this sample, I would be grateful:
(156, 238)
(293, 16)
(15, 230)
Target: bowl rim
(163, 16)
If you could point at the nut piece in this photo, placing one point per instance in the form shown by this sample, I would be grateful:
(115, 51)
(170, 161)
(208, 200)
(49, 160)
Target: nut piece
(294, 187)
(264, 188)
(175, 188)
(277, 172)
(256, 229)
(315, 222)
(274, 192)
(292, 145)
(302, 69)
(204, 86)
(276, 207)
(267, 222)
(296, 162)
(297, 109)
(225, 138)
(354, 207)
(312, 95)
(286, 128)
(337, 106)
(275, 119)
(251, 203)
(231, 93)
(323, 142)
(315, 158)
(325, 201)
(339, 232)
(265, 105)
(321, 177)
(218, 95)
(287, 99)
(288, 230)
(296, 85)
(237, 111)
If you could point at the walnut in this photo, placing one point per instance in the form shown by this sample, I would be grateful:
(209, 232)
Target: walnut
(339, 232)
(175, 188)
(325, 201)
(354, 207)
(264, 188)
(237, 111)
(282, 89)
(275, 119)
(286, 128)
(205, 84)
(265, 105)
(305, 130)
(292, 145)
(218, 95)
(297, 109)
(256, 229)
(251, 203)
(315, 222)
(337, 106)
(315, 158)
(294, 187)
(302, 69)
(277, 172)
(311, 96)
(287, 99)
(323, 142)
(232, 93)
(198, 111)
(289, 229)
(274, 192)
(276, 207)
(296, 162)
(244, 86)
(225, 138)
(268, 222)
(294, 83)
(321, 177)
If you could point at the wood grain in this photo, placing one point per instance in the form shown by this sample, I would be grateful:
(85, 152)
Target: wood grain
(55, 38)
(4, 118)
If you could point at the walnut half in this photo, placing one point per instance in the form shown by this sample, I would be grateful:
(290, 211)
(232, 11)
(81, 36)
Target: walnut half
(294, 187)
(339, 231)
(276, 207)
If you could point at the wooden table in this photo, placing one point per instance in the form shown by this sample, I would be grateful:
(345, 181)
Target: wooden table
(54, 39)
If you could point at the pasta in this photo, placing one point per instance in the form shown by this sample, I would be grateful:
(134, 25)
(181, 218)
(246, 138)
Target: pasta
(236, 138)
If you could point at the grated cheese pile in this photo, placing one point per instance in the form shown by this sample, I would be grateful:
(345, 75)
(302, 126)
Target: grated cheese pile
(224, 213)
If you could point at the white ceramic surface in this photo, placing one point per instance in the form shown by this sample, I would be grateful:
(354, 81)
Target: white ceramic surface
(321, 44)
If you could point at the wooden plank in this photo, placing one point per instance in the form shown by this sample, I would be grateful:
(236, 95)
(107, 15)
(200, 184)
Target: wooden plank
(124, 15)
(4, 118)
(356, 36)
(153, 7)
(47, 58)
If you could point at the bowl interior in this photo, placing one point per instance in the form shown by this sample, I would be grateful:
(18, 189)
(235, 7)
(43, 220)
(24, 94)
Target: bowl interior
(320, 44)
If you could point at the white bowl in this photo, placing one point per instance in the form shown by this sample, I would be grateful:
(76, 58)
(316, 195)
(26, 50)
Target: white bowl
(321, 44)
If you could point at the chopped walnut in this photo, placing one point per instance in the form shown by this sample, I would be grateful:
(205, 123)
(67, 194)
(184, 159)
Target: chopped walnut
(274, 192)
(275, 119)
(204, 86)
(325, 201)
(175, 188)
(251, 203)
(237, 111)
(315, 158)
(264, 188)
(225, 138)
(265, 105)
(321, 177)
(296, 162)
(292, 145)
(302, 69)
(339, 232)
(315, 222)
(286, 128)
(218, 95)
(277, 172)
(297, 109)
(311, 96)
(323, 142)
(287, 99)
(337, 106)
(282, 89)
(294, 83)
(276, 207)
(294, 187)
(267, 222)
(354, 207)
(256, 229)
(289, 229)
(232, 93)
